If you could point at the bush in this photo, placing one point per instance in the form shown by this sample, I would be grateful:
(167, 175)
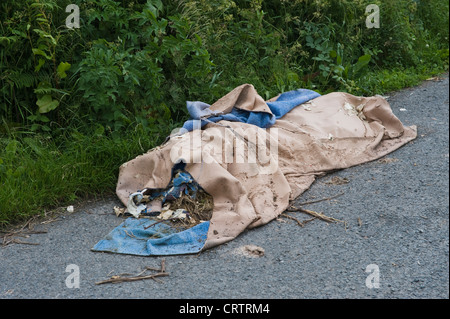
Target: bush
(139, 61)
(127, 64)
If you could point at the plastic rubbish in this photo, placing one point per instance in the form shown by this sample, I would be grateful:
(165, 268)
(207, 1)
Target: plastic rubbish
(134, 205)
(182, 200)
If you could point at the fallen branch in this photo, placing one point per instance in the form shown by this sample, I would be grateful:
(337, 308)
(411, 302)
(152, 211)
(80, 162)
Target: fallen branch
(126, 278)
(308, 220)
(314, 214)
(10, 237)
(293, 218)
(320, 200)
(15, 241)
(300, 223)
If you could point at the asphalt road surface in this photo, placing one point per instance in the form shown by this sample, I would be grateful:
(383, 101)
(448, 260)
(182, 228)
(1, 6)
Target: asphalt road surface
(393, 244)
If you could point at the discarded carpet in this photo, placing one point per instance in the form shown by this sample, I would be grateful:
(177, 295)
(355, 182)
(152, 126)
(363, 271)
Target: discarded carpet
(253, 171)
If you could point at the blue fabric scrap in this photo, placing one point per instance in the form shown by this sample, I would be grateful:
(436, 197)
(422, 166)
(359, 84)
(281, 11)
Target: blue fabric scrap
(132, 238)
(201, 114)
(289, 100)
(182, 182)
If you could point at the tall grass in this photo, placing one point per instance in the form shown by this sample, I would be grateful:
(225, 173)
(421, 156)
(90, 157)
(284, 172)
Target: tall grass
(39, 173)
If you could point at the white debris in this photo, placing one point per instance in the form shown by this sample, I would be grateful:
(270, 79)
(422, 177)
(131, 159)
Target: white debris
(134, 205)
(307, 105)
(167, 213)
(355, 110)
(119, 211)
(70, 209)
(350, 109)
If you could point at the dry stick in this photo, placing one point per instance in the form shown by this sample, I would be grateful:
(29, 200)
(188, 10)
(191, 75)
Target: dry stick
(124, 279)
(308, 220)
(16, 241)
(313, 213)
(9, 237)
(159, 221)
(320, 200)
(163, 265)
(154, 269)
(293, 218)
(130, 235)
(316, 214)
(158, 280)
(116, 279)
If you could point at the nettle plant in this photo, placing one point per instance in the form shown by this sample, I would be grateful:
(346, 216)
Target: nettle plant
(127, 62)
(142, 69)
(33, 70)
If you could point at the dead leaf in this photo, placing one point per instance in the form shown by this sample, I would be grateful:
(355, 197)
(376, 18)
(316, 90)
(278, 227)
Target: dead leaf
(119, 211)
(250, 251)
(435, 79)
(387, 160)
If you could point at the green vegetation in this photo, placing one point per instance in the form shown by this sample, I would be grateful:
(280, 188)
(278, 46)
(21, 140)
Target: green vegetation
(77, 103)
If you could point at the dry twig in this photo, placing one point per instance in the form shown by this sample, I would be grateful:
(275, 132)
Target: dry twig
(311, 212)
(126, 277)
(159, 221)
(293, 218)
(314, 214)
(24, 231)
(320, 200)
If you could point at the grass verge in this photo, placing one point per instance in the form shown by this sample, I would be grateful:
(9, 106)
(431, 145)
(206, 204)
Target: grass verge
(39, 173)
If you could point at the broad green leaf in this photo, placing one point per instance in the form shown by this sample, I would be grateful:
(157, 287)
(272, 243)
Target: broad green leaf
(365, 58)
(62, 68)
(43, 34)
(46, 103)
